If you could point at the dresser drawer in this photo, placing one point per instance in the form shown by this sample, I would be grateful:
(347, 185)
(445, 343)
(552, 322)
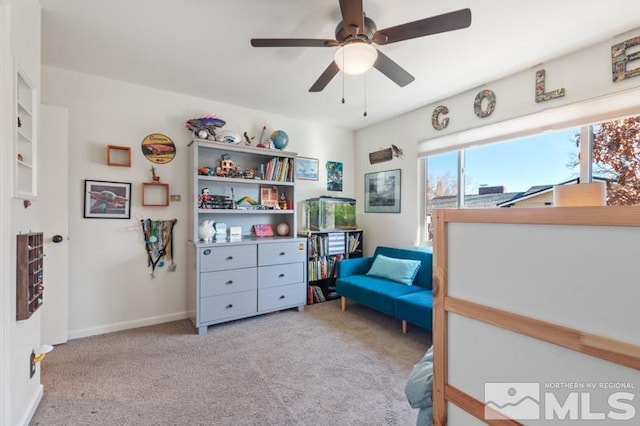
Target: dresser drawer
(277, 253)
(229, 257)
(274, 275)
(284, 296)
(231, 281)
(216, 308)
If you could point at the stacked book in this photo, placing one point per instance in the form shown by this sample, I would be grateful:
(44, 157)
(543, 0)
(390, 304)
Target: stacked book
(279, 169)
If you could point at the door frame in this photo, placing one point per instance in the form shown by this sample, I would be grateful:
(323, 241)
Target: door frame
(6, 80)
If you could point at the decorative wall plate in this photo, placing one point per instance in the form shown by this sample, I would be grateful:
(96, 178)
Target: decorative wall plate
(158, 148)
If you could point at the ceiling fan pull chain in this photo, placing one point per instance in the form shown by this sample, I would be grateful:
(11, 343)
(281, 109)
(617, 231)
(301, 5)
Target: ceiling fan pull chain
(343, 78)
(365, 95)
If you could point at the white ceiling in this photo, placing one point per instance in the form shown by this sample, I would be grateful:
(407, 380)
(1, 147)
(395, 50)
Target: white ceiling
(201, 48)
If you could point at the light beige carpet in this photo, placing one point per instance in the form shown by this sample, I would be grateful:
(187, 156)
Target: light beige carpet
(319, 367)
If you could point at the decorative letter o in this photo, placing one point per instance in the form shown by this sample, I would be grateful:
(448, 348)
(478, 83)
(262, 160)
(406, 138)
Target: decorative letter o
(477, 104)
(441, 109)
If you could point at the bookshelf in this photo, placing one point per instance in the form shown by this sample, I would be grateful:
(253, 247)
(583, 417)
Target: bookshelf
(25, 137)
(325, 249)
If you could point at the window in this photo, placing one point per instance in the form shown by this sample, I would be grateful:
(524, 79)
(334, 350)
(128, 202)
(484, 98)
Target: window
(442, 185)
(521, 172)
(514, 173)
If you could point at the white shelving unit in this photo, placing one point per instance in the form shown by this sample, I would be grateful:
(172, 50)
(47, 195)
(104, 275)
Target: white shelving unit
(229, 279)
(25, 137)
(209, 154)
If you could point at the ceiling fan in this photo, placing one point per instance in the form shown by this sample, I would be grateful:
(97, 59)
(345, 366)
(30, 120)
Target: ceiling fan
(355, 35)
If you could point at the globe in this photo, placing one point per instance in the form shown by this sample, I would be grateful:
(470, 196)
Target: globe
(282, 229)
(280, 139)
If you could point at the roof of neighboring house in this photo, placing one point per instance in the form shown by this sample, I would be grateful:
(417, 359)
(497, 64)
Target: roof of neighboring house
(541, 189)
(477, 201)
(473, 201)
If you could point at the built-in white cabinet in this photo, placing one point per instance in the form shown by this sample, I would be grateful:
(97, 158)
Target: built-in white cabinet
(25, 137)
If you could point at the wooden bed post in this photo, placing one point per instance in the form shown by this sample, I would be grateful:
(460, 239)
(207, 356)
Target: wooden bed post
(439, 320)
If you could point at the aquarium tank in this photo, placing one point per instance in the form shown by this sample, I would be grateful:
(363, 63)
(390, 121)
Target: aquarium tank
(330, 213)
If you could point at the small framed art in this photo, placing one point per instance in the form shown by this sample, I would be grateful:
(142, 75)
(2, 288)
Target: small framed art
(107, 200)
(307, 168)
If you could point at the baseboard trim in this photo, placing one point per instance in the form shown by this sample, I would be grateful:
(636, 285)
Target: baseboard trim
(126, 325)
(31, 409)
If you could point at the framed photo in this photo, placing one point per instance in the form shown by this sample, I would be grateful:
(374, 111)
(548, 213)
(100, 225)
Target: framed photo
(382, 192)
(307, 168)
(107, 200)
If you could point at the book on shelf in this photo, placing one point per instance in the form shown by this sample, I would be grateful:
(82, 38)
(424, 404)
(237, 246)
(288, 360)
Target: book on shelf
(318, 295)
(279, 169)
(354, 242)
(310, 297)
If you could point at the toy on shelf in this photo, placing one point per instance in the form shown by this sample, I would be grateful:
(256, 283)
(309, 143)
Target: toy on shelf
(205, 127)
(205, 199)
(228, 168)
(206, 171)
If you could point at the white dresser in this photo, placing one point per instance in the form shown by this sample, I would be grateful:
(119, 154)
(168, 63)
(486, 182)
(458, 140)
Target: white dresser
(233, 280)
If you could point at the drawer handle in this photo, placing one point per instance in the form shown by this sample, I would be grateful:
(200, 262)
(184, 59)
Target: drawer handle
(229, 282)
(281, 297)
(282, 253)
(281, 276)
(229, 306)
(229, 257)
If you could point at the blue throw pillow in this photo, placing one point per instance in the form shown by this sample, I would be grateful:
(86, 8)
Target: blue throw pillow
(399, 270)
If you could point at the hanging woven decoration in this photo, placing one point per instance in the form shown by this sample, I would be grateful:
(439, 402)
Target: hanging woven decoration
(158, 239)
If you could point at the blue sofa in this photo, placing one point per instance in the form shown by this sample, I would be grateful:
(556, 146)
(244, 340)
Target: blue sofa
(409, 303)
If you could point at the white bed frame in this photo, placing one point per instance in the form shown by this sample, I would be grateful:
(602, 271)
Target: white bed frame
(546, 295)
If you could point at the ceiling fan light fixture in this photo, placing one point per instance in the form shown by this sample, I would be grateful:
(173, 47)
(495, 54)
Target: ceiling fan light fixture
(356, 58)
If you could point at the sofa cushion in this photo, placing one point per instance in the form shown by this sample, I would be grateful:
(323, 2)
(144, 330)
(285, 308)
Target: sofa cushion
(377, 293)
(425, 272)
(399, 270)
(417, 308)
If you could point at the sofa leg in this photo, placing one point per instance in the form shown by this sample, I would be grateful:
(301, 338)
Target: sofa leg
(343, 303)
(404, 327)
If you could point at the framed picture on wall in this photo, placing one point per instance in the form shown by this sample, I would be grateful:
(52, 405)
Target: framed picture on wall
(382, 192)
(107, 200)
(307, 168)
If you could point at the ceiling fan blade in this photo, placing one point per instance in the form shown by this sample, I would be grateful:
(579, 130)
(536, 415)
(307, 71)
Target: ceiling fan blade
(292, 42)
(325, 78)
(436, 24)
(391, 69)
(352, 16)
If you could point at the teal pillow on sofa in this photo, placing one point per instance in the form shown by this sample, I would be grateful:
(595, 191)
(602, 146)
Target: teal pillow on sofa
(399, 270)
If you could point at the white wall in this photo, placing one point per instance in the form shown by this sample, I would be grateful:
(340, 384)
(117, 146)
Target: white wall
(586, 77)
(24, 393)
(110, 287)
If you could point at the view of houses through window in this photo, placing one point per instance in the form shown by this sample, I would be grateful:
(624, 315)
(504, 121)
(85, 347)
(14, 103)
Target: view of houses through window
(523, 172)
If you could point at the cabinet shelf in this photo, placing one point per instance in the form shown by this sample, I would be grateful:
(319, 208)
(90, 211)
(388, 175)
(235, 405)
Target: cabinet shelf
(24, 136)
(29, 272)
(25, 122)
(241, 211)
(244, 181)
(236, 160)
